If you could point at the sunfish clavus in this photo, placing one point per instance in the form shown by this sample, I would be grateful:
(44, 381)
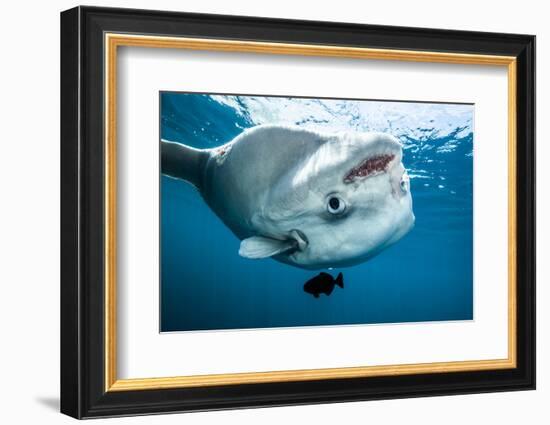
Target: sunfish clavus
(308, 199)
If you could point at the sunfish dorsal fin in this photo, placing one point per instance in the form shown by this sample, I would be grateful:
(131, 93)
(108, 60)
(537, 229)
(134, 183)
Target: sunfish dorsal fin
(183, 162)
(257, 247)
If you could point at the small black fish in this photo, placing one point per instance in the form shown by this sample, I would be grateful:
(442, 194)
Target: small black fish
(323, 283)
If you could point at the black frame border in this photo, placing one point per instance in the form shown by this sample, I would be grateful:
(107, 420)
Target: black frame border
(82, 205)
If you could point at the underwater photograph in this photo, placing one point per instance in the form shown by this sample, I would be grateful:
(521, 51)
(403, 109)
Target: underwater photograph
(292, 211)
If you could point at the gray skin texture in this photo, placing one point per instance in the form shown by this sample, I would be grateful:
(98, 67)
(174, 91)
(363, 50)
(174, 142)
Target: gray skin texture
(271, 186)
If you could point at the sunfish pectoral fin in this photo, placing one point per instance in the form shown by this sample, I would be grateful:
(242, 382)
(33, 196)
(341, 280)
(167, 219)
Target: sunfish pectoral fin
(257, 247)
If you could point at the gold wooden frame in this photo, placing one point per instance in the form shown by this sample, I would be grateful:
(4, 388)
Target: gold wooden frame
(113, 41)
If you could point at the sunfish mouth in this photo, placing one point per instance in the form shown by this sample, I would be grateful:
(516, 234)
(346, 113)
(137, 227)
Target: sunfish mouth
(371, 166)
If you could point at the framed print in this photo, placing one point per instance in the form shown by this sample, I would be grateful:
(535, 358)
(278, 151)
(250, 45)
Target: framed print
(343, 212)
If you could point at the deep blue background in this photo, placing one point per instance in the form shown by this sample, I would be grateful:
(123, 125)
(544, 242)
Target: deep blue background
(205, 284)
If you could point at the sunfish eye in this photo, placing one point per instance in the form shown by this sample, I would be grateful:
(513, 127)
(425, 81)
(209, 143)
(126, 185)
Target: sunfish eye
(335, 205)
(404, 183)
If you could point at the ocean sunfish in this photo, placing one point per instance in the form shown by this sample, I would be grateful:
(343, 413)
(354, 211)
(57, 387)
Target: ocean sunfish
(305, 198)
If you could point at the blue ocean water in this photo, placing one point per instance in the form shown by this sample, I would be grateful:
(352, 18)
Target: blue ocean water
(426, 276)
